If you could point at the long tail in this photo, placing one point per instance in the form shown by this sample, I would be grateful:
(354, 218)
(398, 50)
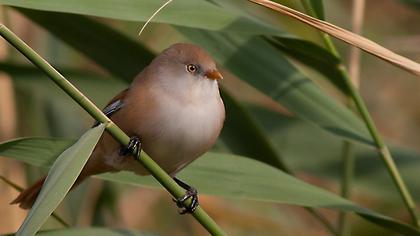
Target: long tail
(27, 197)
(95, 165)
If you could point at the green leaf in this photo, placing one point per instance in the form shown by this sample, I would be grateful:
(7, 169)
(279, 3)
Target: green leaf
(319, 157)
(33, 147)
(316, 6)
(289, 134)
(313, 56)
(237, 177)
(94, 231)
(200, 14)
(118, 54)
(267, 16)
(59, 117)
(61, 177)
(244, 137)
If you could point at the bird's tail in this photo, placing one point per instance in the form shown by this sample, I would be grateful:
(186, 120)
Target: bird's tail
(95, 165)
(27, 197)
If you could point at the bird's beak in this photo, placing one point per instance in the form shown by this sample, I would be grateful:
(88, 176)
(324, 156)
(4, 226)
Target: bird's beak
(214, 75)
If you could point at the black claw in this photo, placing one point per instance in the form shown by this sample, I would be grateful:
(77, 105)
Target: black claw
(191, 193)
(134, 146)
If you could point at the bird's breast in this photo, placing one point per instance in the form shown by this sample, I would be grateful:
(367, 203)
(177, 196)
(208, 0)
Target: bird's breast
(178, 131)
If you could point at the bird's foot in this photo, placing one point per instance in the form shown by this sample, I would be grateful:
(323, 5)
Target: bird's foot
(134, 146)
(191, 193)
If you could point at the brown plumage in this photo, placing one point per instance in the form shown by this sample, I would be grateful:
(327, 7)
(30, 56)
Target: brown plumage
(173, 106)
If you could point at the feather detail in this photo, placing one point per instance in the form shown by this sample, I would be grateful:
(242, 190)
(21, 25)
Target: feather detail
(114, 105)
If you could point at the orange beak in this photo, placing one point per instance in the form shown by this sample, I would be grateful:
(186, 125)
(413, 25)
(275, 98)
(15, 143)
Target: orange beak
(214, 75)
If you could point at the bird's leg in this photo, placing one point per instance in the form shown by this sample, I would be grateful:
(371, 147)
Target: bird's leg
(134, 146)
(191, 193)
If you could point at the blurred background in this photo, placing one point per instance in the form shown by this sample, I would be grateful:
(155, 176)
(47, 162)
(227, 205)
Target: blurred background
(31, 105)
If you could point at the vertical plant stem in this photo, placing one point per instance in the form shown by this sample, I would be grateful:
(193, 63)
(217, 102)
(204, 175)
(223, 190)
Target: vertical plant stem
(164, 179)
(346, 182)
(382, 148)
(385, 156)
(354, 74)
(355, 53)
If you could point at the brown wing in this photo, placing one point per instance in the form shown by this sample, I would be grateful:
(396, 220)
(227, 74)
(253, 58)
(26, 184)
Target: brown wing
(119, 96)
(114, 105)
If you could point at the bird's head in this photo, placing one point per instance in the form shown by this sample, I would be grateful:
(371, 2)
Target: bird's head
(186, 70)
(187, 61)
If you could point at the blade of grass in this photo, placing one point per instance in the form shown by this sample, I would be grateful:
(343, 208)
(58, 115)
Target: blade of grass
(61, 176)
(111, 127)
(196, 14)
(312, 55)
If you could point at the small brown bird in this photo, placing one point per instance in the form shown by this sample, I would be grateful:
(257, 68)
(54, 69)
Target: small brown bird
(172, 108)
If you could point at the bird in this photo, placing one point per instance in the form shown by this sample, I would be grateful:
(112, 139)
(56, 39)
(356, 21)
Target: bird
(172, 110)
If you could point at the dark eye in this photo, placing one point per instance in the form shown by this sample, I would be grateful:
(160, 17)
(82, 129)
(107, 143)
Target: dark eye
(191, 68)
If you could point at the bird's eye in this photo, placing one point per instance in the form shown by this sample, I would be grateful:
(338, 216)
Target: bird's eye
(191, 68)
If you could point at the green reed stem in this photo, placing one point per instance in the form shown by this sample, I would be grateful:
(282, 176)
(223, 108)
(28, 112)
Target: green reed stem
(346, 182)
